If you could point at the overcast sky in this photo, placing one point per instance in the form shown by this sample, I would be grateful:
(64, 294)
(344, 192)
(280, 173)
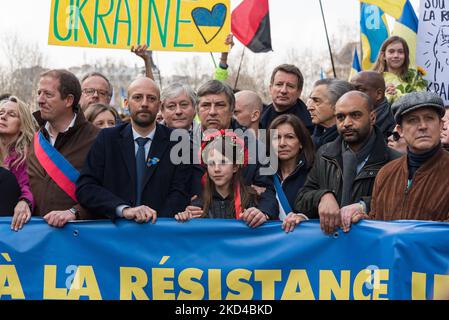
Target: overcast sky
(294, 23)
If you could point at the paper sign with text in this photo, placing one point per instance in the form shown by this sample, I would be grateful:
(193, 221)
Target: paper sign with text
(432, 50)
(170, 25)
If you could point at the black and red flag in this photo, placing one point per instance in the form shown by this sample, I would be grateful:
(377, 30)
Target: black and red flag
(250, 24)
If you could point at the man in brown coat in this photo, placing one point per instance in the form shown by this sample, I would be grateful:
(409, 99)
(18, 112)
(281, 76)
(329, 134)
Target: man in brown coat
(415, 186)
(64, 131)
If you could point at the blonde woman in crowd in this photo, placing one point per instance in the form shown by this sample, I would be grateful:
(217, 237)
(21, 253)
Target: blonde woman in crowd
(16, 133)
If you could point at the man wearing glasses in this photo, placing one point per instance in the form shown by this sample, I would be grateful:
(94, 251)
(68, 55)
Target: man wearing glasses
(96, 88)
(397, 142)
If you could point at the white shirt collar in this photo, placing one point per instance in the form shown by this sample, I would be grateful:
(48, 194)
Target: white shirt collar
(53, 138)
(150, 135)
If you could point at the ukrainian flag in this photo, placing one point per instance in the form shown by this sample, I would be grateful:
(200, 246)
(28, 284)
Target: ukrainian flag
(374, 31)
(356, 68)
(391, 7)
(407, 27)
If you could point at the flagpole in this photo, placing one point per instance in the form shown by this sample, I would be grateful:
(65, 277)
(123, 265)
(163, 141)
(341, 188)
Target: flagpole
(328, 42)
(213, 60)
(240, 67)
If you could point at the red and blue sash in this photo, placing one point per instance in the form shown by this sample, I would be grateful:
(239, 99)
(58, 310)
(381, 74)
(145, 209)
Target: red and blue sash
(56, 166)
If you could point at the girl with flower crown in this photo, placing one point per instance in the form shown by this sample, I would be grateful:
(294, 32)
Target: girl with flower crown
(224, 194)
(393, 63)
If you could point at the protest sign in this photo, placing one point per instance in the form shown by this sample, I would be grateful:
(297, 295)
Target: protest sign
(432, 51)
(171, 25)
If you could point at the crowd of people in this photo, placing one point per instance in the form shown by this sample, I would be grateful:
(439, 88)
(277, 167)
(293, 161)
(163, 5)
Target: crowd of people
(358, 149)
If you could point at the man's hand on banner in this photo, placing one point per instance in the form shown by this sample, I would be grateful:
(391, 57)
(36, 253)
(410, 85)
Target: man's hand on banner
(329, 212)
(59, 219)
(141, 214)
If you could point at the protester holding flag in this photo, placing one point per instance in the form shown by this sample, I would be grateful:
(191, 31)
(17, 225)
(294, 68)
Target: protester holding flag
(296, 155)
(225, 194)
(16, 133)
(393, 62)
(221, 72)
(59, 148)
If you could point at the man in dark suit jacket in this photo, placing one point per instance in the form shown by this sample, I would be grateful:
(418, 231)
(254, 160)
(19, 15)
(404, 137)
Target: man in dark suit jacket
(128, 172)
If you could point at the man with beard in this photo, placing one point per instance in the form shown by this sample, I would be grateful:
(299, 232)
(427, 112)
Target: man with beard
(342, 177)
(128, 172)
(415, 186)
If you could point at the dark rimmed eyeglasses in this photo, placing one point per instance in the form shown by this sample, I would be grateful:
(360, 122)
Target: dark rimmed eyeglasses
(395, 136)
(91, 91)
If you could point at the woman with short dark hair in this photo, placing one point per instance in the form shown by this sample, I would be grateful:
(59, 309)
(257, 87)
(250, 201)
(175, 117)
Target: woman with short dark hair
(296, 154)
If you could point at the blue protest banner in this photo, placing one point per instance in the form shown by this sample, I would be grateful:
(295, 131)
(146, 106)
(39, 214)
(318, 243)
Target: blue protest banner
(223, 259)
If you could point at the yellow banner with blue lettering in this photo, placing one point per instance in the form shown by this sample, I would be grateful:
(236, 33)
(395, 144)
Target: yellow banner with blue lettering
(172, 25)
(223, 259)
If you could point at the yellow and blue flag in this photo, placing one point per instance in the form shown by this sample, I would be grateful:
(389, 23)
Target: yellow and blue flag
(356, 68)
(407, 27)
(374, 31)
(391, 7)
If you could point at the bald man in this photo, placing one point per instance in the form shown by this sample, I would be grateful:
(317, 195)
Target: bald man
(373, 84)
(128, 172)
(342, 177)
(248, 108)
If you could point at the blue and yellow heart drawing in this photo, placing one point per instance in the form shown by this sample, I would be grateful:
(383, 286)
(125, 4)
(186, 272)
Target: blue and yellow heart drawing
(209, 22)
